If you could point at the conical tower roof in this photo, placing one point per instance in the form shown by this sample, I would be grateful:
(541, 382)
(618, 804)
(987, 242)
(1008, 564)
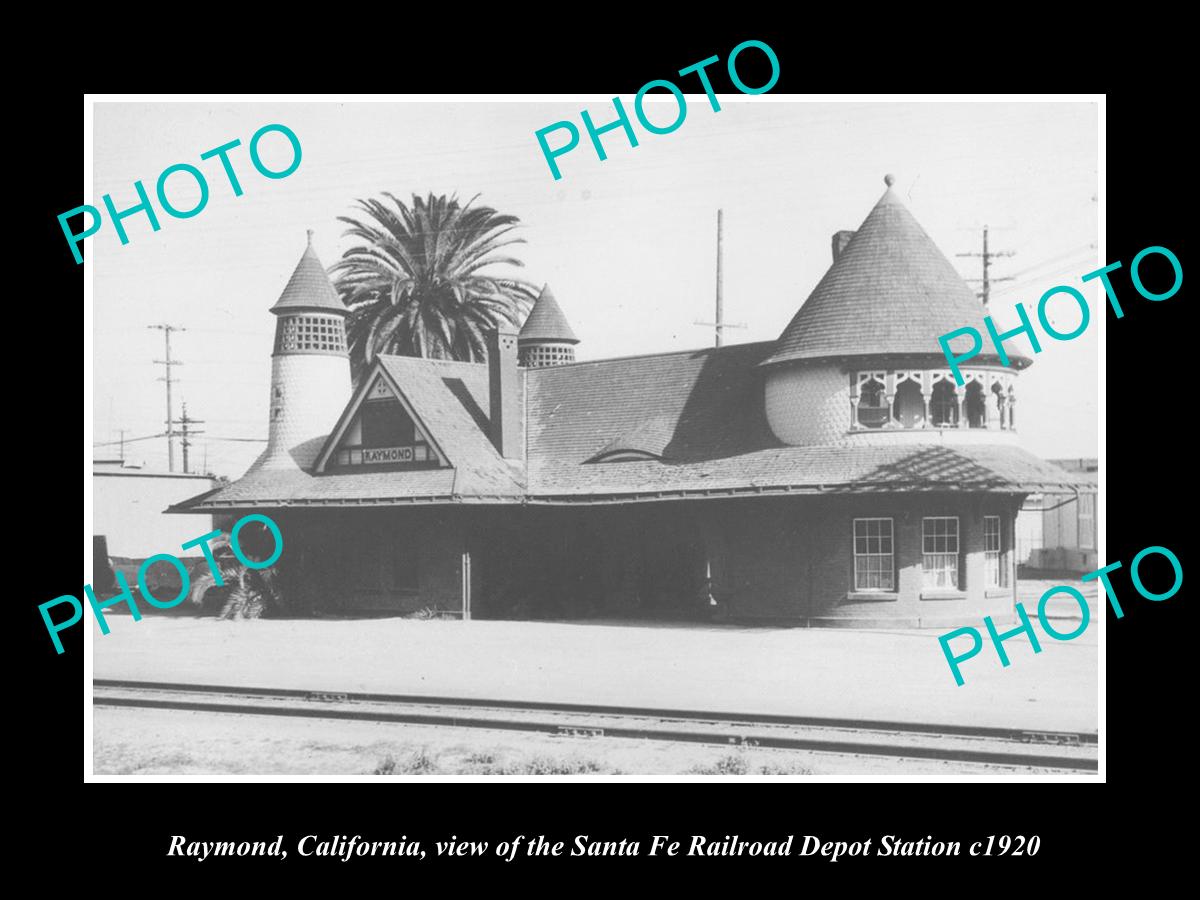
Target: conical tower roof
(891, 291)
(309, 287)
(546, 321)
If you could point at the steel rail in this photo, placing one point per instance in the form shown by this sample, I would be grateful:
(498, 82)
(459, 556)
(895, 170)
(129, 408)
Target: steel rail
(973, 744)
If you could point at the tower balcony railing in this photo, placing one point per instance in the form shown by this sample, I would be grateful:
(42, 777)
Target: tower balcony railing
(929, 399)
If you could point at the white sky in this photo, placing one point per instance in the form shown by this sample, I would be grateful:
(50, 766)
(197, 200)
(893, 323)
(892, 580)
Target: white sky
(627, 244)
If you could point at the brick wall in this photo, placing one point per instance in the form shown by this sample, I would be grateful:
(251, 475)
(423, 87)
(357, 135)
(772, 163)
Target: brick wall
(791, 559)
(772, 559)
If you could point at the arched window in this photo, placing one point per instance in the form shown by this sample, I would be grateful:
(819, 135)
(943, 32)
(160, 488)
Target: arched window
(943, 406)
(909, 408)
(872, 406)
(998, 404)
(976, 406)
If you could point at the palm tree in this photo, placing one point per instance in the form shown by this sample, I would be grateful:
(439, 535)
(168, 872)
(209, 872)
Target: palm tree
(415, 284)
(246, 593)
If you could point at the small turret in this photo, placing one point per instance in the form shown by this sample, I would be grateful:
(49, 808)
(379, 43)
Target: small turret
(310, 366)
(546, 339)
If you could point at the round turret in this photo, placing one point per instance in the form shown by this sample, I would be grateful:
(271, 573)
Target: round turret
(310, 366)
(860, 362)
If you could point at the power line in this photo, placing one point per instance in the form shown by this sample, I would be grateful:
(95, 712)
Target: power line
(1071, 266)
(125, 440)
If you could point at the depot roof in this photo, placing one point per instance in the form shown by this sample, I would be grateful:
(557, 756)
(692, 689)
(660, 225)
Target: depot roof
(696, 416)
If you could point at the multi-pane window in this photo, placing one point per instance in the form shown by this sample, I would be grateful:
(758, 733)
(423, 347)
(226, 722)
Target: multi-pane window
(325, 334)
(1087, 521)
(874, 566)
(939, 548)
(386, 435)
(540, 355)
(993, 552)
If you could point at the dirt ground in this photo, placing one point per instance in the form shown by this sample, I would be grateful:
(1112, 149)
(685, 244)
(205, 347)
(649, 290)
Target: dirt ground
(143, 742)
(828, 673)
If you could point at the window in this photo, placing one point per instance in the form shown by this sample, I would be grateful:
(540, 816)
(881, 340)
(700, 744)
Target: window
(874, 569)
(385, 424)
(976, 406)
(909, 408)
(1087, 521)
(943, 405)
(872, 404)
(310, 333)
(939, 546)
(993, 551)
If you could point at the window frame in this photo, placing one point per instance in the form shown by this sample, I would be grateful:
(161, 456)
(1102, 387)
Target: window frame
(867, 554)
(999, 555)
(867, 387)
(931, 575)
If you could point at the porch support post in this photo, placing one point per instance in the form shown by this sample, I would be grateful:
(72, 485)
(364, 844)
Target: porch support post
(466, 584)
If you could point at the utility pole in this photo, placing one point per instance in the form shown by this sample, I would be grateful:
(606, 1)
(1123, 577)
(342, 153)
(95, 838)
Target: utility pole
(168, 363)
(720, 324)
(184, 422)
(987, 257)
(121, 432)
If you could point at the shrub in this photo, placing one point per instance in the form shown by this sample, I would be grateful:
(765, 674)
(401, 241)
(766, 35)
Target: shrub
(419, 762)
(729, 764)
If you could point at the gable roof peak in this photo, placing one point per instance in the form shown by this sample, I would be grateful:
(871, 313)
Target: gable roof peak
(546, 321)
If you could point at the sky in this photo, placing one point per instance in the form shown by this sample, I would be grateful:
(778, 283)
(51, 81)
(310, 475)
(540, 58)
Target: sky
(628, 244)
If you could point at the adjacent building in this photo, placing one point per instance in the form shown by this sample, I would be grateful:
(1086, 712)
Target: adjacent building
(834, 476)
(1056, 532)
(128, 503)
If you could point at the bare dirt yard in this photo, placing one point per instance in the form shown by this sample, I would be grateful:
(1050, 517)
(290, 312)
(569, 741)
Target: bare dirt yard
(793, 671)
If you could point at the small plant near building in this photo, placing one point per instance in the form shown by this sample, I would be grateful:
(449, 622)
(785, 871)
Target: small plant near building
(248, 593)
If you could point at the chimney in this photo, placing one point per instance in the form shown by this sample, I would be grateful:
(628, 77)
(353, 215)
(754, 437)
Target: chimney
(840, 240)
(504, 398)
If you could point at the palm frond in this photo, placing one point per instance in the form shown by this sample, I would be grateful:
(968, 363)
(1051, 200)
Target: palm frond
(414, 282)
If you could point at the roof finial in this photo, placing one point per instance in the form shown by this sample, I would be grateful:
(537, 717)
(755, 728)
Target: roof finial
(888, 179)
(310, 234)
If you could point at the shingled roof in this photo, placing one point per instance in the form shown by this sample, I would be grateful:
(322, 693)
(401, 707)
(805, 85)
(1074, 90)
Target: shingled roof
(546, 321)
(309, 287)
(891, 291)
(699, 412)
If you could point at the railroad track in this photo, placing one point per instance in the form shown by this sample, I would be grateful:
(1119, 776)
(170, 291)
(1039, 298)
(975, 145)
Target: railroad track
(953, 743)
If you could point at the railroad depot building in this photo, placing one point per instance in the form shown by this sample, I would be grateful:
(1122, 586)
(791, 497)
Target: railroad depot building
(835, 476)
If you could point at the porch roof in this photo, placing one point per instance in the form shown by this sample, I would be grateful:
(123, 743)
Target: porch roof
(783, 470)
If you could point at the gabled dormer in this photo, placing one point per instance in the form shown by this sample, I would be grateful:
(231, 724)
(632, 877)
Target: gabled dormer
(379, 431)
